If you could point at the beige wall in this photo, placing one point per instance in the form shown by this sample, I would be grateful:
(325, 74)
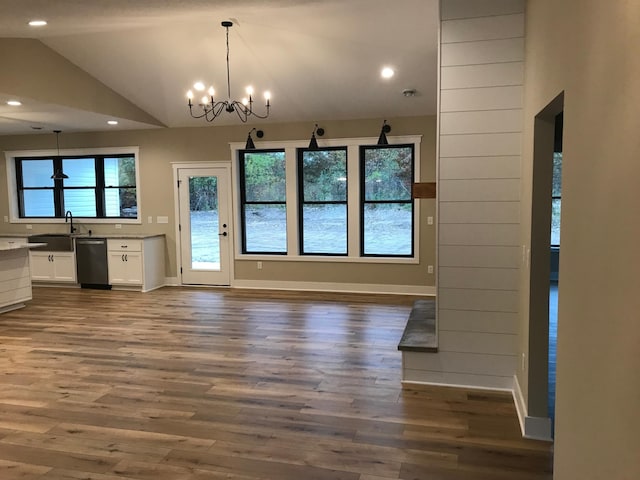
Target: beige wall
(587, 48)
(160, 147)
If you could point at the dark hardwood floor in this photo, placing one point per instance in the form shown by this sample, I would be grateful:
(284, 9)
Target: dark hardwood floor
(195, 384)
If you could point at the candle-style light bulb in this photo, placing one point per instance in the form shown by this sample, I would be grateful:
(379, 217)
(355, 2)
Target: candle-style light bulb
(211, 92)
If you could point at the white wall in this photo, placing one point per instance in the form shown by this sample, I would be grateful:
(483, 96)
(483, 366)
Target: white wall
(480, 124)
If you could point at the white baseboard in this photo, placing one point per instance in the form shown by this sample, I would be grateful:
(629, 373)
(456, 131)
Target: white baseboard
(467, 387)
(536, 428)
(337, 287)
(171, 282)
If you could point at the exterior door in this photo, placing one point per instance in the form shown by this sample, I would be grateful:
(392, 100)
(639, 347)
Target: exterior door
(205, 231)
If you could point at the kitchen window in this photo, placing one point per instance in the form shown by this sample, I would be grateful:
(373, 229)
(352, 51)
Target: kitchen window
(100, 186)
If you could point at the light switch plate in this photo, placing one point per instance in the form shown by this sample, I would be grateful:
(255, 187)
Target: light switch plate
(29, 227)
(162, 219)
(118, 225)
(6, 219)
(149, 219)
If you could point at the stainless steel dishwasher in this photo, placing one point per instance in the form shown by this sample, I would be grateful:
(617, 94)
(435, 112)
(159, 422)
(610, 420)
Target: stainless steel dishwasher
(91, 263)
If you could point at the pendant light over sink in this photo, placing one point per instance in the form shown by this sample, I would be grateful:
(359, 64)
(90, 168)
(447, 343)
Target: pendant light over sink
(59, 174)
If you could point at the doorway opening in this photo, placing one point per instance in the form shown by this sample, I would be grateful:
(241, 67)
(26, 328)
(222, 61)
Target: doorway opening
(554, 277)
(544, 272)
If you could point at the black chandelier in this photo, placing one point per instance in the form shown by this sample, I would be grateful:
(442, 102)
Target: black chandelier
(212, 109)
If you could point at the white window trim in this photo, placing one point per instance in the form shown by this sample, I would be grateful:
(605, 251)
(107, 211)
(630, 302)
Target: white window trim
(12, 188)
(353, 207)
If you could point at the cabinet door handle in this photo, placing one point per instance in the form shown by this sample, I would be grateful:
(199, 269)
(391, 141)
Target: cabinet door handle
(124, 246)
(126, 258)
(122, 257)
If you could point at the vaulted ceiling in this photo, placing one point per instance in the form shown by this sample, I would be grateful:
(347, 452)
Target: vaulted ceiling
(133, 61)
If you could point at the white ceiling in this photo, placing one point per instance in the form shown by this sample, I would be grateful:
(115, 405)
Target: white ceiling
(319, 58)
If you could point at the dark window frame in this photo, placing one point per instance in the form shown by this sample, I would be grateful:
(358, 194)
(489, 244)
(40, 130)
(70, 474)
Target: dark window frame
(59, 188)
(364, 202)
(244, 202)
(301, 202)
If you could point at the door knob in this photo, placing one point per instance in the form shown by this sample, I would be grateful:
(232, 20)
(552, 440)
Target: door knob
(223, 234)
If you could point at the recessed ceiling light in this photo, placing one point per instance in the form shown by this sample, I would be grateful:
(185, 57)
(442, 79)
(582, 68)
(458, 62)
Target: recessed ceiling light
(387, 72)
(112, 122)
(37, 23)
(14, 103)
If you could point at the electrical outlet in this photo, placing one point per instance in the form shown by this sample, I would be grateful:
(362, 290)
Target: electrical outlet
(118, 225)
(6, 219)
(259, 265)
(430, 269)
(149, 219)
(29, 227)
(430, 220)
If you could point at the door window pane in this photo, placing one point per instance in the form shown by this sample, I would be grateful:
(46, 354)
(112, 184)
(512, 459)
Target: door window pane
(203, 211)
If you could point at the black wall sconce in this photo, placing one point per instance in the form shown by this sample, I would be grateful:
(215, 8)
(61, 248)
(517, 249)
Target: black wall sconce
(382, 139)
(250, 145)
(313, 143)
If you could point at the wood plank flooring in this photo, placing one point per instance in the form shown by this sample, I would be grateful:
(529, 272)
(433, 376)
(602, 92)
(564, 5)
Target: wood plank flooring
(195, 384)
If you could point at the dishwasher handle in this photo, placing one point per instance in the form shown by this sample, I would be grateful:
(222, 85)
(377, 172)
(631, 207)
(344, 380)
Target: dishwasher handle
(90, 242)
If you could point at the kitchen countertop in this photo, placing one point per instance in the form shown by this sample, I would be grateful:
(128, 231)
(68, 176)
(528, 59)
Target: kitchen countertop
(133, 236)
(4, 246)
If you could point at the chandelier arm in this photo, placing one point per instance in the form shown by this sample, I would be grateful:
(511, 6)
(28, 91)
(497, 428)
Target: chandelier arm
(203, 114)
(215, 110)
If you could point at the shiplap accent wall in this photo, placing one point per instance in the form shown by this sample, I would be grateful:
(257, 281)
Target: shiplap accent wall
(480, 124)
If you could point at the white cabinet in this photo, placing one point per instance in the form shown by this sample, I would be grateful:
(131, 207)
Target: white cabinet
(125, 261)
(53, 266)
(136, 263)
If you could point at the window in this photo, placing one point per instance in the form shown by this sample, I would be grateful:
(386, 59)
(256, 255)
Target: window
(263, 201)
(322, 191)
(348, 201)
(98, 186)
(556, 199)
(386, 206)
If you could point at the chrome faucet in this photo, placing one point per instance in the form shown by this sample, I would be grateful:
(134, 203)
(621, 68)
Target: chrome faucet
(68, 217)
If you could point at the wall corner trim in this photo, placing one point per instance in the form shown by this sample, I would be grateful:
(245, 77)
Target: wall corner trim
(534, 428)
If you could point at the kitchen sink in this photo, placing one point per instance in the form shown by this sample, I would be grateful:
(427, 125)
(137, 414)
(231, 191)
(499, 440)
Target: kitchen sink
(56, 242)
